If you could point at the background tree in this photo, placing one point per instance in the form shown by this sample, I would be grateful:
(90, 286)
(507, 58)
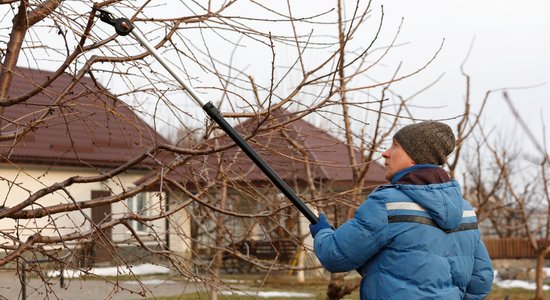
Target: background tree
(509, 188)
(326, 80)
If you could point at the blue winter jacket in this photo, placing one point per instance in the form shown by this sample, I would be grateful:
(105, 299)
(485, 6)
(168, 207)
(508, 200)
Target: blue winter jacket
(411, 242)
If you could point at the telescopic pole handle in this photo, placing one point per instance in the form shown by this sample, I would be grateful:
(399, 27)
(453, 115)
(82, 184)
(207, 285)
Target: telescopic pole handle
(143, 41)
(123, 26)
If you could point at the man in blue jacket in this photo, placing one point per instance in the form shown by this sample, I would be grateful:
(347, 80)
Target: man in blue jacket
(416, 237)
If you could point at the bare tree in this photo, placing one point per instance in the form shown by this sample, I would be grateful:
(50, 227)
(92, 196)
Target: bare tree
(187, 184)
(509, 189)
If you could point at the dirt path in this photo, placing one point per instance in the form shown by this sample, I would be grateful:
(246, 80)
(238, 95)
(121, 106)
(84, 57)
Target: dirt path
(93, 289)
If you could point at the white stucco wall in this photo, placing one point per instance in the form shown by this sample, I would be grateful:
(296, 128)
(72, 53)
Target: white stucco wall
(180, 233)
(18, 183)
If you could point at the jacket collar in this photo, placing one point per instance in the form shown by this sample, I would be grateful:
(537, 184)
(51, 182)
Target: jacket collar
(397, 176)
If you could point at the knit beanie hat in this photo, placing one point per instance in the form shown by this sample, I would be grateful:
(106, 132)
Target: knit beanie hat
(428, 142)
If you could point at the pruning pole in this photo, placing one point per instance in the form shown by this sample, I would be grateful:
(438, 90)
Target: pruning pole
(124, 26)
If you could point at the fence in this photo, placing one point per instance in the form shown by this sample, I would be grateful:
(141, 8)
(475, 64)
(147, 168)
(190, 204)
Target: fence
(516, 247)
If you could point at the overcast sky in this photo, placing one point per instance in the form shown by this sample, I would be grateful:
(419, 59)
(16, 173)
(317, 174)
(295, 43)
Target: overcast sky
(510, 43)
(511, 49)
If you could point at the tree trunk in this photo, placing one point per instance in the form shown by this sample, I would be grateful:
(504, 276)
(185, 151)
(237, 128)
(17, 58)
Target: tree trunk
(539, 293)
(338, 289)
(218, 254)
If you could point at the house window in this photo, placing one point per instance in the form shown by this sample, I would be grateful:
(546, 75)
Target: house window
(138, 205)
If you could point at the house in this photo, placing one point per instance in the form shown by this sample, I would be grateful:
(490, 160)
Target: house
(86, 132)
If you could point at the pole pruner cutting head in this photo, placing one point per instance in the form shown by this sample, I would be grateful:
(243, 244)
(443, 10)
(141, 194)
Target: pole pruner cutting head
(123, 26)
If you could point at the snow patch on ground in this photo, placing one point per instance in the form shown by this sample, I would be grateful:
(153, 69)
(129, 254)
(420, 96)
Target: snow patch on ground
(144, 269)
(510, 284)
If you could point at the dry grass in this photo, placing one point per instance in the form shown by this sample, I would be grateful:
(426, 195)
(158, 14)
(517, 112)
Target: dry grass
(318, 289)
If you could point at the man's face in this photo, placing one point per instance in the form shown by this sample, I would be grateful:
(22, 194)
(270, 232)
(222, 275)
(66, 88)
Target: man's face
(396, 160)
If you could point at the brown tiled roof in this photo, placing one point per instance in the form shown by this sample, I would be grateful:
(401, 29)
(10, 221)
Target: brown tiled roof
(89, 127)
(327, 155)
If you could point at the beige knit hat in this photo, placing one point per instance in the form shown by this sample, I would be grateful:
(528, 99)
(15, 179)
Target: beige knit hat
(428, 142)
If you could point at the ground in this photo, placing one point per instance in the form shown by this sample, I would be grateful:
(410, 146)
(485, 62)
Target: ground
(94, 289)
(156, 282)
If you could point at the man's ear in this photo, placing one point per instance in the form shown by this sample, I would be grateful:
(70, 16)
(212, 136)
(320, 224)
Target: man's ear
(410, 158)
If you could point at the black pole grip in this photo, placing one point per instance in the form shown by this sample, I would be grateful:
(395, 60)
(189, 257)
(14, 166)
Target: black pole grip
(214, 113)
